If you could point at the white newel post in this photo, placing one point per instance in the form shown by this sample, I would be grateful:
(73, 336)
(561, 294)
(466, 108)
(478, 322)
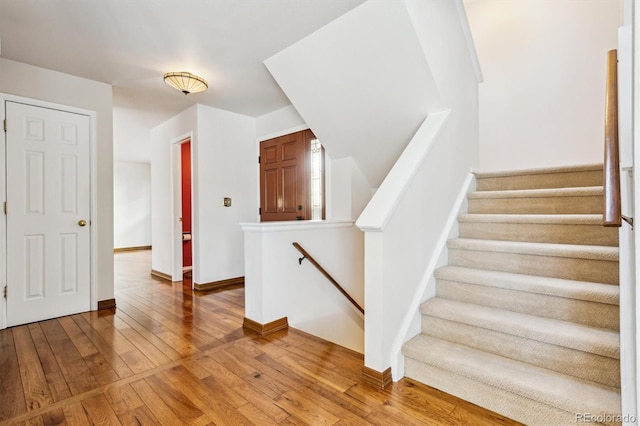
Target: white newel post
(375, 342)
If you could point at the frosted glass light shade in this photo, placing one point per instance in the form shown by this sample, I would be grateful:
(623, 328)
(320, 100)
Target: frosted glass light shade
(186, 82)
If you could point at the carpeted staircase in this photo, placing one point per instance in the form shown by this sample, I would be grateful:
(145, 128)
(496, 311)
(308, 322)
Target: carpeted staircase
(525, 320)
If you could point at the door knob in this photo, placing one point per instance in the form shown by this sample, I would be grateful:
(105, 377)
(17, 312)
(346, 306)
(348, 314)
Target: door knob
(82, 222)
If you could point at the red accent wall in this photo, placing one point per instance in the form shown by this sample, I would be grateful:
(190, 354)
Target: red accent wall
(185, 155)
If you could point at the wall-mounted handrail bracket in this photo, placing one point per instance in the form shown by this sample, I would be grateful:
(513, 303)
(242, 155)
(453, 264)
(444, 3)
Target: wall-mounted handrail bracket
(306, 255)
(629, 220)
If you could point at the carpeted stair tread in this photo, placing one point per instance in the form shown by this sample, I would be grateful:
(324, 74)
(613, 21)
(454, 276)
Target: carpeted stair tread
(586, 200)
(588, 191)
(554, 219)
(578, 176)
(583, 229)
(534, 383)
(537, 249)
(528, 297)
(561, 333)
(562, 359)
(570, 289)
(538, 171)
(568, 261)
(502, 401)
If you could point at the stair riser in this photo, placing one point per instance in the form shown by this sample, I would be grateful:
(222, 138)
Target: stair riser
(548, 180)
(601, 271)
(575, 363)
(539, 205)
(579, 311)
(540, 233)
(503, 402)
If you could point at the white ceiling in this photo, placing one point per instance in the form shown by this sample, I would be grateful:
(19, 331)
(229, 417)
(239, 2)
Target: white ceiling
(130, 44)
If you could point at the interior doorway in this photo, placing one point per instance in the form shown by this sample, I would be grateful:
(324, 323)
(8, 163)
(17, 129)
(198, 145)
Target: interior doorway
(185, 218)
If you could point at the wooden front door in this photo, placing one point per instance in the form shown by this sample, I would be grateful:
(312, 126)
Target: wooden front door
(284, 177)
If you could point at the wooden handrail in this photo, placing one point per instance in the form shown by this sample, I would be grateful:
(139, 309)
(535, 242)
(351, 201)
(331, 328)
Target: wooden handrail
(306, 255)
(612, 206)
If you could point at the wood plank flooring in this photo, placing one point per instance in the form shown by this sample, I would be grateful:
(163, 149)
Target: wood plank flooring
(170, 356)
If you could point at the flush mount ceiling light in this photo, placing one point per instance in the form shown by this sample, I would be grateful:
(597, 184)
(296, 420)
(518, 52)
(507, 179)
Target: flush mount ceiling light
(186, 82)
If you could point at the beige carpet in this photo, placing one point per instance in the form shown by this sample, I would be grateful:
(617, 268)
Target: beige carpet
(525, 320)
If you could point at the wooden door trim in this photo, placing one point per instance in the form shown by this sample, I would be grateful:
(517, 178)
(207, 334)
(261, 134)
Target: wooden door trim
(93, 191)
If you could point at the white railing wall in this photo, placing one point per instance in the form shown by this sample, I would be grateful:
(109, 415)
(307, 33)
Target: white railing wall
(405, 233)
(406, 225)
(277, 285)
(414, 63)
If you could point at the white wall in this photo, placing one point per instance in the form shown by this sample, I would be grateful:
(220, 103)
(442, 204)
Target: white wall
(544, 64)
(38, 83)
(278, 123)
(131, 204)
(360, 82)
(348, 191)
(131, 136)
(162, 205)
(408, 217)
(277, 286)
(225, 165)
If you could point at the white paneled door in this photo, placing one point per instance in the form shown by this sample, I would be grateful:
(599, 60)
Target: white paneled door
(48, 210)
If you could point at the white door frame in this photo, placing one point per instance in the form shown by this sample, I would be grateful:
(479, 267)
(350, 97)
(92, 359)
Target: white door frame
(93, 166)
(628, 349)
(635, 45)
(176, 210)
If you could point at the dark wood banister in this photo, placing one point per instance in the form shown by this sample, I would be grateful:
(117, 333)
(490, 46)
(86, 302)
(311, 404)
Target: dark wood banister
(612, 207)
(306, 255)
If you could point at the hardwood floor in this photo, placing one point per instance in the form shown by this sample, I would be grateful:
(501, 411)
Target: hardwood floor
(170, 356)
